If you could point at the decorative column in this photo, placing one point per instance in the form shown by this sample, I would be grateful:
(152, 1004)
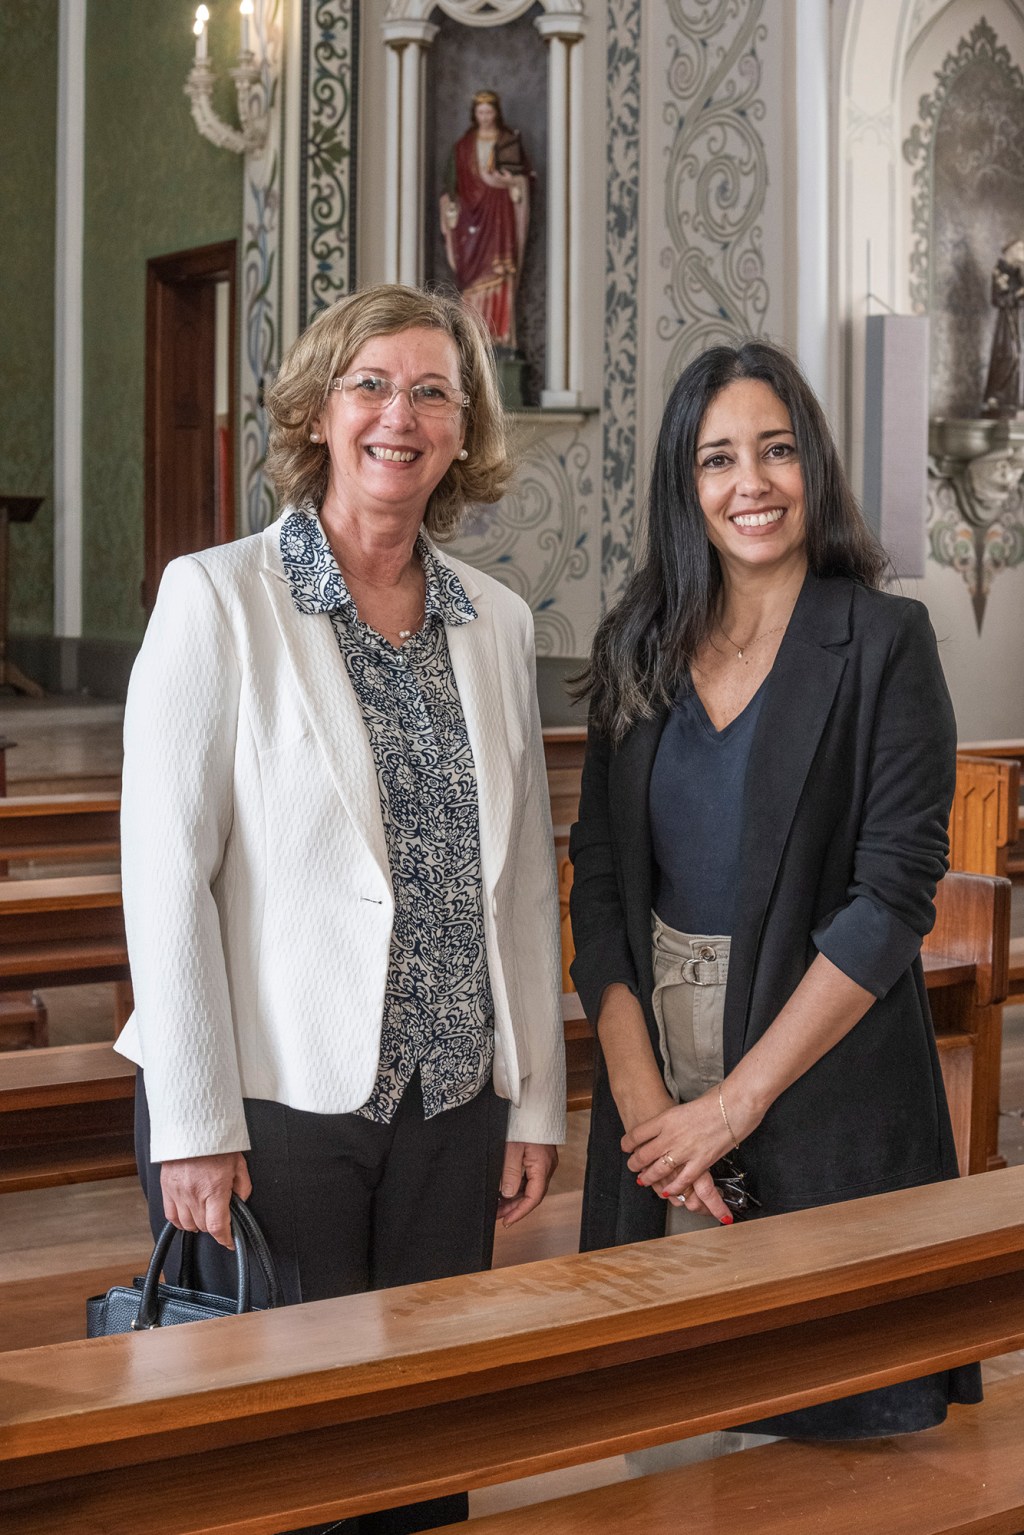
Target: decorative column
(560, 32)
(260, 297)
(407, 40)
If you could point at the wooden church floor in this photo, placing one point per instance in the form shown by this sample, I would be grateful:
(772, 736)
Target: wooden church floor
(66, 745)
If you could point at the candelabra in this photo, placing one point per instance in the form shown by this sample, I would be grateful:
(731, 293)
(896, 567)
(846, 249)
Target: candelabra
(250, 89)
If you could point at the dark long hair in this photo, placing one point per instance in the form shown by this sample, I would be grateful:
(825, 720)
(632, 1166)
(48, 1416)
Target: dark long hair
(644, 646)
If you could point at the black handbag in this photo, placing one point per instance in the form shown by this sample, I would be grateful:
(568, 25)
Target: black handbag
(147, 1303)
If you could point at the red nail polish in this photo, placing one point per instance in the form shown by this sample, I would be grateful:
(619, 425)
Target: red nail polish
(726, 1220)
(640, 1181)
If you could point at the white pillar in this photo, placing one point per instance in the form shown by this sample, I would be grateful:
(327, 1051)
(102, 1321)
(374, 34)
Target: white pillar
(407, 40)
(67, 423)
(560, 33)
(408, 226)
(815, 317)
(392, 158)
(574, 276)
(291, 178)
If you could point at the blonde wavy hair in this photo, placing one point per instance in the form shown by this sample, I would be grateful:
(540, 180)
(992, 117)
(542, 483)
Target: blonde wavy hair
(300, 469)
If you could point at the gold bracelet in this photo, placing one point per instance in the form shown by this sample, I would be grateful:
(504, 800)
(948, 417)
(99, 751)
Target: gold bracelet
(728, 1126)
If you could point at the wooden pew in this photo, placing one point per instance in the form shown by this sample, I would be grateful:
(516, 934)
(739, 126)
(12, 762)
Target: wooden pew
(66, 1116)
(53, 830)
(1006, 751)
(986, 827)
(962, 1476)
(61, 932)
(281, 1419)
(59, 828)
(964, 967)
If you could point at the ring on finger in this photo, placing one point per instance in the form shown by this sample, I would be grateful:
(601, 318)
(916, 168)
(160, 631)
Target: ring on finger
(670, 1160)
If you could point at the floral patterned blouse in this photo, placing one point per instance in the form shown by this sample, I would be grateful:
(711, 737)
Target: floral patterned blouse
(438, 1013)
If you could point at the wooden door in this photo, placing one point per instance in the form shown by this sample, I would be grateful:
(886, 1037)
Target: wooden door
(189, 489)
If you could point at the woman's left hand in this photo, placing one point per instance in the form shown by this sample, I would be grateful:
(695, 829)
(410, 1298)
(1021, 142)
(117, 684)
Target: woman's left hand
(524, 1179)
(673, 1152)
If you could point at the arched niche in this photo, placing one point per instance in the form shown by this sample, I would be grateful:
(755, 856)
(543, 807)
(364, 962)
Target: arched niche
(407, 33)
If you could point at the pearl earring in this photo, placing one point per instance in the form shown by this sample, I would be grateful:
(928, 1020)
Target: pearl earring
(314, 436)
(463, 455)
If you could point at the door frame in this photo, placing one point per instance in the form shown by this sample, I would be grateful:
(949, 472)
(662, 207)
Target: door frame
(206, 264)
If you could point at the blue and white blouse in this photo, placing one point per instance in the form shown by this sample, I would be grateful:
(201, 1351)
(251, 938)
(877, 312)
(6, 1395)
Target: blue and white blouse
(438, 1013)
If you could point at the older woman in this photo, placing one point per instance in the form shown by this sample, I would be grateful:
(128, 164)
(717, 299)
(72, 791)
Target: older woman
(338, 866)
(761, 830)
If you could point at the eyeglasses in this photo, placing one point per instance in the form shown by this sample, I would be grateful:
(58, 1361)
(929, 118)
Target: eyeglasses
(730, 1181)
(372, 393)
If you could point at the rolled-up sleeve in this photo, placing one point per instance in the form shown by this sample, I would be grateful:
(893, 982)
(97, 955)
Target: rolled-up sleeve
(902, 844)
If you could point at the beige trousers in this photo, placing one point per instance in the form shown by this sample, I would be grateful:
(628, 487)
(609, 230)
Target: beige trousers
(690, 972)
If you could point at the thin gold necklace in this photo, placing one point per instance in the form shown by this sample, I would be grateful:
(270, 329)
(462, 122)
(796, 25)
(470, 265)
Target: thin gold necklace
(741, 649)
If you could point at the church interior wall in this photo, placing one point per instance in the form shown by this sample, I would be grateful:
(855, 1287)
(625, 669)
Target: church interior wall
(972, 205)
(736, 160)
(28, 132)
(153, 186)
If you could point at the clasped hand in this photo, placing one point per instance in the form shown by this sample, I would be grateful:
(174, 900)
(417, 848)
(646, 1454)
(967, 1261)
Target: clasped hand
(673, 1152)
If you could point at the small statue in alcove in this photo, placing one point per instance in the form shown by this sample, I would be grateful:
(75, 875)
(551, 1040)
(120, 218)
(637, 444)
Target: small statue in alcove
(1004, 387)
(485, 213)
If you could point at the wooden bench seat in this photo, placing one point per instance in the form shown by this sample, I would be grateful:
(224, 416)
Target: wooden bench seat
(59, 828)
(61, 931)
(964, 1476)
(1010, 753)
(275, 1420)
(51, 830)
(66, 1116)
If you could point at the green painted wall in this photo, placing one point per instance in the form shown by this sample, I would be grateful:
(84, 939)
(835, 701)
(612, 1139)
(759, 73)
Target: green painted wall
(152, 186)
(28, 133)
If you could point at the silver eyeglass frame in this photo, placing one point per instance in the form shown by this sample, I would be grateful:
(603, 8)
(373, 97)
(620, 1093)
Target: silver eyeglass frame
(340, 381)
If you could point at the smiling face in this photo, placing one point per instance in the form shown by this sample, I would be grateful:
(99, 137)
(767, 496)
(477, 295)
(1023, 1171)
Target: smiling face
(387, 462)
(749, 483)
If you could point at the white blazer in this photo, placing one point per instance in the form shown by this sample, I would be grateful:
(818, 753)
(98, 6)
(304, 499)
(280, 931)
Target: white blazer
(257, 893)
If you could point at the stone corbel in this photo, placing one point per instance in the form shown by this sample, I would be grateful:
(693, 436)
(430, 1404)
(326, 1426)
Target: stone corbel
(976, 500)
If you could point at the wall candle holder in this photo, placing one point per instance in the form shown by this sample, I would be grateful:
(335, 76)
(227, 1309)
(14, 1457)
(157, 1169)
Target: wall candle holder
(976, 496)
(250, 90)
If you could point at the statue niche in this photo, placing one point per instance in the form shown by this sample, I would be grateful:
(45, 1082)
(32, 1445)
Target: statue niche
(1004, 387)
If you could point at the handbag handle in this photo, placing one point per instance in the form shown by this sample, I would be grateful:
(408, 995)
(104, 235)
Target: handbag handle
(247, 1237)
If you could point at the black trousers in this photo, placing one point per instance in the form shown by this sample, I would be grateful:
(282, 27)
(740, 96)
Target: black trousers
(348, 1205)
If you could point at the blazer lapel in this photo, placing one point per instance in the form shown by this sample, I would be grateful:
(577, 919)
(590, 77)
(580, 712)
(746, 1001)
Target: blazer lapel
(330, 703)
(476, 663)
(797, 702)
(629, 779)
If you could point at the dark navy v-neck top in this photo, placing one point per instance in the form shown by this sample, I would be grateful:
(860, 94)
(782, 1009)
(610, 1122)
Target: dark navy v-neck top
(696, 810)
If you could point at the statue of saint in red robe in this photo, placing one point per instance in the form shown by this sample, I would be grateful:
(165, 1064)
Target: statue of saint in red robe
(485, 213)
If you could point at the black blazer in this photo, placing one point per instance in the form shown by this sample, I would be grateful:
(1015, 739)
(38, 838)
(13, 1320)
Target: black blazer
(846, 807)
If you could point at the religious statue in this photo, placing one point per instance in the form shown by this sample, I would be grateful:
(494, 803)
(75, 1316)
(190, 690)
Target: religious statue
(1004, 388)
(485, 213)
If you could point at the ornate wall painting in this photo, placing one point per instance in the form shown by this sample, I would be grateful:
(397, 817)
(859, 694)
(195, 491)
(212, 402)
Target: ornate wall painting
(716, 180)
(622, 261)
(260, 302)
(328, 153)
(536, 541)
(967, 154)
